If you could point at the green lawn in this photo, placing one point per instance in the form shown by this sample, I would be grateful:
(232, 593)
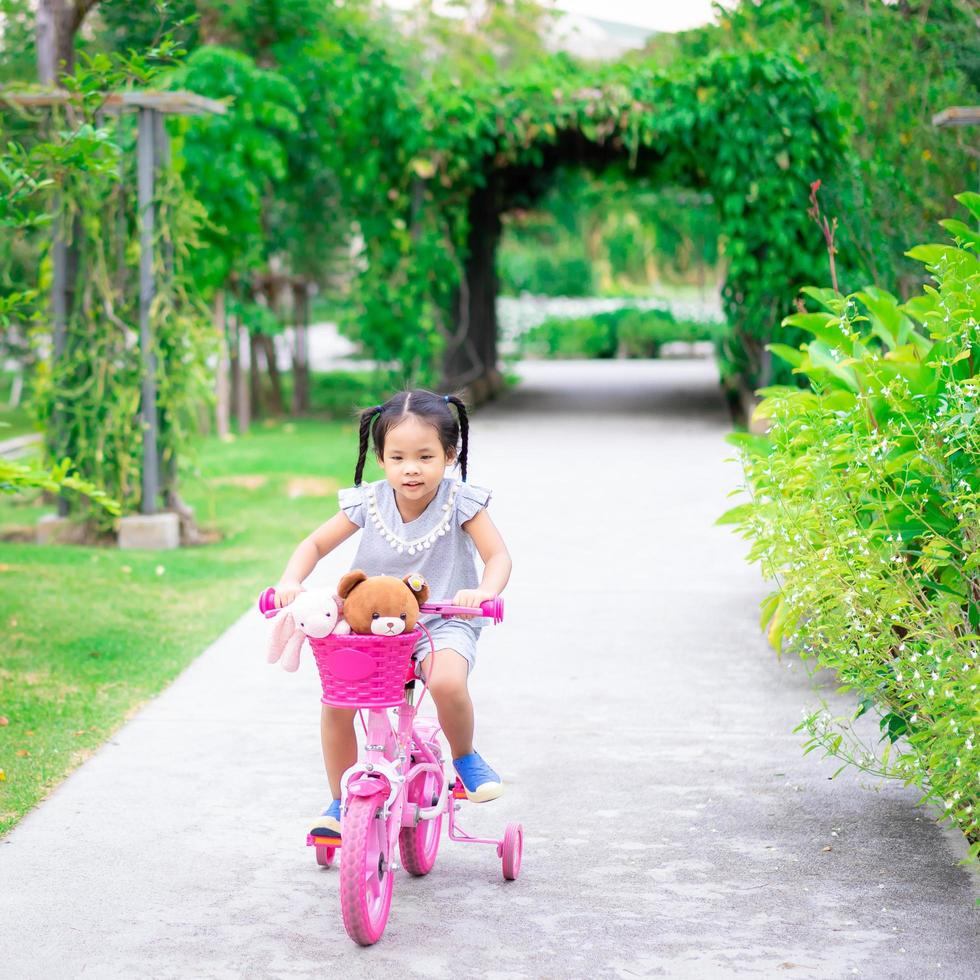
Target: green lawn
(91, 633)
(14, 422)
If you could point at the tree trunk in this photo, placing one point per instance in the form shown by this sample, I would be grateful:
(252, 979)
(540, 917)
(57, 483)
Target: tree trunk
(268, 346)
(222, 409)
(239, 379)
(471, 355)
(254, 375)
(56, 25)
(301, 366)
(46, 38)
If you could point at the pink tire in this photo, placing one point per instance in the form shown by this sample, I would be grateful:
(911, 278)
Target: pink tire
(325, 855)
(419, 845)
(365, 870)
(512, 850)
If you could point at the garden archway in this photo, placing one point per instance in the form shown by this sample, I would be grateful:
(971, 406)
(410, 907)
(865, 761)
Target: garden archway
(753, 131)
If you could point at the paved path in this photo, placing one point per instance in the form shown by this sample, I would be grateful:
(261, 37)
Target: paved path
(673, 827)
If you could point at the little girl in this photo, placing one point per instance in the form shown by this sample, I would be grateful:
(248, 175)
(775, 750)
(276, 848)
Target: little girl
(415, 520)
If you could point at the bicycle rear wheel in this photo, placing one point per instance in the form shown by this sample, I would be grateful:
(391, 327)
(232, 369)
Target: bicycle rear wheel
(419, 845)
(365, 870)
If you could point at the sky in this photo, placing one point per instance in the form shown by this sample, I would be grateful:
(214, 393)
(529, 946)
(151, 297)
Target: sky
(658, 15)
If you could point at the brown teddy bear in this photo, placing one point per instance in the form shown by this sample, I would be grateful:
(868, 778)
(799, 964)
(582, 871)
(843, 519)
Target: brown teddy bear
(381, 605)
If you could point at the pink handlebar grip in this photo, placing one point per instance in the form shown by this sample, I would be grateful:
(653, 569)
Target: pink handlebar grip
(267, 603)
(492, 608)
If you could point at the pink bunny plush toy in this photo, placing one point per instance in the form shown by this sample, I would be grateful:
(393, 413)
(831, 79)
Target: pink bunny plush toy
(314, 613)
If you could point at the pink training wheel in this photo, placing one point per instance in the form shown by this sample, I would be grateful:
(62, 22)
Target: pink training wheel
(325, 854)
(511, 850)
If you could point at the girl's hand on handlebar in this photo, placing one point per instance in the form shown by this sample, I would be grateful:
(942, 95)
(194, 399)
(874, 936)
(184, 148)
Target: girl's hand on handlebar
(286, 592)
(471, 597)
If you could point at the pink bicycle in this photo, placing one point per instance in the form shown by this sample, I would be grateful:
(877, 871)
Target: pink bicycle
(398, 791)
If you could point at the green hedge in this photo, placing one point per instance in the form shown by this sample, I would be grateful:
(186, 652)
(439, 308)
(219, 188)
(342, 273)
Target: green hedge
(555, 271)
(865, 508)
(627, 332)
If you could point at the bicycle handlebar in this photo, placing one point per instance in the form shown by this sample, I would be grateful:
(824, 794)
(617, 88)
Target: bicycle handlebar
(491, 609)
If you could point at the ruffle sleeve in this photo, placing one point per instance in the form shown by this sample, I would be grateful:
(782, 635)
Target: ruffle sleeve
(352, 504)
(470, 500)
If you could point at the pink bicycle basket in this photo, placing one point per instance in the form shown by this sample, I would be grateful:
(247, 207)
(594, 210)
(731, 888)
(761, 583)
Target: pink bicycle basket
(363, 671)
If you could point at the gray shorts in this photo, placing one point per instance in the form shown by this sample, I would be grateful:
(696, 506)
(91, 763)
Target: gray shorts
(450, 634)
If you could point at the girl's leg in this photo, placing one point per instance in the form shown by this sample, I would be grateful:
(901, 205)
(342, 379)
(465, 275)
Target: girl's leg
(452, 698)
(339, 743)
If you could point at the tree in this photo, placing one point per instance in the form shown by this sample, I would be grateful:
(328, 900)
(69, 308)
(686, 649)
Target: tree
(891, 67)
(57, 23)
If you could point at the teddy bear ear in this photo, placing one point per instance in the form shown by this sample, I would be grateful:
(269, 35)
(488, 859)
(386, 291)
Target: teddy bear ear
(418, 586)
(348, 582)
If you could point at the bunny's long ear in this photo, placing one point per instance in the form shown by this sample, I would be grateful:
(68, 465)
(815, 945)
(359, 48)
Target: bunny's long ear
(349, 581)
(284, 628)
(290, 656)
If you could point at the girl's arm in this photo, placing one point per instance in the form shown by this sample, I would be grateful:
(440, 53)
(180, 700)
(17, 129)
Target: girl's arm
(309, 551)
(496, 561)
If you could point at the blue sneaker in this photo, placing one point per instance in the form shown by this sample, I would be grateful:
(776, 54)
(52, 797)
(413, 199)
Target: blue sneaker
(479, 780)
(327, 824)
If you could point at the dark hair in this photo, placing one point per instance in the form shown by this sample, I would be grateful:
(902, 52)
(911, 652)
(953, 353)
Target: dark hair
(426, 406)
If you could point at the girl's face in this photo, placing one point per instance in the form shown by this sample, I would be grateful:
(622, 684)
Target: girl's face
(414, 460)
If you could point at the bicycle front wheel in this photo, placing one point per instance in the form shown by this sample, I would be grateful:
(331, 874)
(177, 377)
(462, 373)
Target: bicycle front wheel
(365, 870)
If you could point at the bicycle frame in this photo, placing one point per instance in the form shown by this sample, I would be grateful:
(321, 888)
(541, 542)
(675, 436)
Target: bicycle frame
(385, 768)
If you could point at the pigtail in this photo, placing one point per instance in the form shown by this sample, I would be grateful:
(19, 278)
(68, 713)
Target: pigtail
(464, 431)
(367, 416)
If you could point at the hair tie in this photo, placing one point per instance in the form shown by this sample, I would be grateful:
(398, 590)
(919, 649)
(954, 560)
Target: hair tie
(445, 398)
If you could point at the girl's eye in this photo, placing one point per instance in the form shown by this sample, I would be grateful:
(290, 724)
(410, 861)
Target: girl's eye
(376, 615)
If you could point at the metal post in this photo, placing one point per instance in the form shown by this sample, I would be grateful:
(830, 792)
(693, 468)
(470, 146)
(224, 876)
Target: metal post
(161, 159)
(167, 467)
(145, 166)
(59, 318)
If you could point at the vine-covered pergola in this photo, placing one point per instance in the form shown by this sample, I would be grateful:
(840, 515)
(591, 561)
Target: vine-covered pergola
(753, 131)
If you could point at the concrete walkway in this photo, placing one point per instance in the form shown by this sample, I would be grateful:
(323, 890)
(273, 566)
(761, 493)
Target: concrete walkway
(674, 828)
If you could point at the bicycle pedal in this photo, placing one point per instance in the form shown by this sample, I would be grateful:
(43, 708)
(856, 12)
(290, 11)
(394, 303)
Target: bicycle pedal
(313, 841)
(459, 790)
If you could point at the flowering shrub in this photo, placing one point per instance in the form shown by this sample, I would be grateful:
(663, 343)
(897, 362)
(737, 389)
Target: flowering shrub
(865, 509)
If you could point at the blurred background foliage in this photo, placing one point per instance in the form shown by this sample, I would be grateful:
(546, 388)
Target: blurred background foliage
(351, 129)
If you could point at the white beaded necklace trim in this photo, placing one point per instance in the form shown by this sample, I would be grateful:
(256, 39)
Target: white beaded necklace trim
(419, 544)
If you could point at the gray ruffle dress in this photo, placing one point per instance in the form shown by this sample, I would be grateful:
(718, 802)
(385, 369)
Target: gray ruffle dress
(446, 560)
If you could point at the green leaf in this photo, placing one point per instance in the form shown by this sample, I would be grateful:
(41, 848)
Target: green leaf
(755, 445)
(964, 234)
(893, 726)
(971, 201)
(767, 607)
(789, 354)
(931, 255)
(736, 515)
